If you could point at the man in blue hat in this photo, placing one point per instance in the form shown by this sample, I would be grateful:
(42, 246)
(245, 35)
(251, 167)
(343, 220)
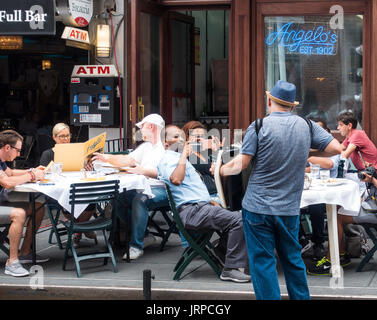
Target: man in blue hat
(271, 205)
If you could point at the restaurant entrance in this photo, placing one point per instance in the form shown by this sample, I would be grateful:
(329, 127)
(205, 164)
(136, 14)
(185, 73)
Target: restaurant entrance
(177, 64)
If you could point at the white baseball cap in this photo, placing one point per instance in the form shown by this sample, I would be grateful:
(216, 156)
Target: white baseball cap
(152, 118)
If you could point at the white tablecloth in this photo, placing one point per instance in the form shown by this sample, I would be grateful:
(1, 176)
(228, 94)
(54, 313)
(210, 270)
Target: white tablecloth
(347, 195)
(60, 189)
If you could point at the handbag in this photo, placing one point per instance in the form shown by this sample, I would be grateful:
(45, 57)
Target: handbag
(368, 203)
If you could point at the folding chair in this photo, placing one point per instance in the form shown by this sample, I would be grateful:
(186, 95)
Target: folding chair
(4, 241)
(371, 230)
(55, 230)
(99, 193)
(162, 231)
(199, 244)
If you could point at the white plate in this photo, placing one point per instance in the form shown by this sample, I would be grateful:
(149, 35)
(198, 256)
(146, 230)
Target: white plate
(333, 183)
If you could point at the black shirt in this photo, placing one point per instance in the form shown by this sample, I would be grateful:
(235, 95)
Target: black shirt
(46, 157)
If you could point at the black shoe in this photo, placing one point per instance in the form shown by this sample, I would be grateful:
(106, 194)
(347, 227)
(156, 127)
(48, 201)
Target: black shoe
(345, 259)
(322, 268)
(318, 251)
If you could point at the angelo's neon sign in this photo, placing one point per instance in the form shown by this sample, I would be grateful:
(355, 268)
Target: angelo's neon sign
(315, 41)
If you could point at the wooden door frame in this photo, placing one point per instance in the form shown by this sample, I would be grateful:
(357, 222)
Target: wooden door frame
(135, 7)
(318, 7)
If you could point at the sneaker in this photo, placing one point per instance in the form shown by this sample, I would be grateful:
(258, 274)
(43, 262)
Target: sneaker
(345, 259)
(15, 269)
(134, 253)
(323, 267)
(318, 252)
(234, 275)
(149, 240)
(29, 258)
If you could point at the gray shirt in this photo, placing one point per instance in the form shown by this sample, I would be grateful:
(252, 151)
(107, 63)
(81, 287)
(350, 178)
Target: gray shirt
(276, 182)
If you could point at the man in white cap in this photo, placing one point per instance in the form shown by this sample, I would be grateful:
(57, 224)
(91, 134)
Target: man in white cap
(143, 160)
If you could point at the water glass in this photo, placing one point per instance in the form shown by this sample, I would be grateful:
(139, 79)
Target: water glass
(324, 175)
(97, 168)
(314, 171)
(56, 170)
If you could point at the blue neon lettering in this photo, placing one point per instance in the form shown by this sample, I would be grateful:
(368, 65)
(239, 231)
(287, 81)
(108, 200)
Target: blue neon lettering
(294, 39)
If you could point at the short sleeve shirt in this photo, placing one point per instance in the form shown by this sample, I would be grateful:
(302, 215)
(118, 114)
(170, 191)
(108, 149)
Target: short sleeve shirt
(276, 182)
(148, 155)
(191, 190)
(363, 145)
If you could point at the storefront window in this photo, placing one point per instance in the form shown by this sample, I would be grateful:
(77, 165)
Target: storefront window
(325, 64)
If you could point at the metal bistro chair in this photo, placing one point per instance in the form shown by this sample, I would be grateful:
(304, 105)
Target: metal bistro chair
(55, 230)
(99, 193)
(199, 244)
(162, 231)
(4, 241)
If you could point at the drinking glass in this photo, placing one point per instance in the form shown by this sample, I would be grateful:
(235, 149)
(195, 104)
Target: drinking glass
(97, 168)
(324, 175)
(314, 171)
(56, 170)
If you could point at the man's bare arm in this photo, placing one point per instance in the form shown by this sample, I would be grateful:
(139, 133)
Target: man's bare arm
(239, 163)
(332, 149)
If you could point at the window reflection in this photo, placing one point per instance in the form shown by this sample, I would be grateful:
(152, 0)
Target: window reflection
(325, 64)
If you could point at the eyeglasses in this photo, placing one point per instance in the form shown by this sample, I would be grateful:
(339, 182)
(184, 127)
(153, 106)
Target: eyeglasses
(18, 150)
(68, 136)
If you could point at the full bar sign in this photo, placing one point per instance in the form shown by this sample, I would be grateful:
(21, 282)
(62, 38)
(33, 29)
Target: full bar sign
(19, 17)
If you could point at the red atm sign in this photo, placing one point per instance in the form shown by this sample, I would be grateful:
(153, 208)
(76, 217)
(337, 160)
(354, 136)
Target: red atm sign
(94, 71)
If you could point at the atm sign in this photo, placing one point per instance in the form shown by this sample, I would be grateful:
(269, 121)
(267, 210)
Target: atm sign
(94, 71)
(75, 35)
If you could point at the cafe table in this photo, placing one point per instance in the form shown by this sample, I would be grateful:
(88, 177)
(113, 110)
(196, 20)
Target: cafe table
(339, 192)
(58, 188)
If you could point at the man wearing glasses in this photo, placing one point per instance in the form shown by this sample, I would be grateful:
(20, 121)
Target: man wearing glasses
(15, 206)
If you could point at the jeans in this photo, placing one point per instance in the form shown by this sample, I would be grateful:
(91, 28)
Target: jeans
(140, 207)
(264, 234)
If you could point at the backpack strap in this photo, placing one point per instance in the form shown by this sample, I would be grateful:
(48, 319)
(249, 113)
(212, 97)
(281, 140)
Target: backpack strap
(258, 125)
(310, 124)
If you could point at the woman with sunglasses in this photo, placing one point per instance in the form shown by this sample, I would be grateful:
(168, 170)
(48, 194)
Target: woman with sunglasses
(62, 134)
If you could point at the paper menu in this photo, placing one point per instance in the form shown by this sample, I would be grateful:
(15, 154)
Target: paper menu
(75, 155)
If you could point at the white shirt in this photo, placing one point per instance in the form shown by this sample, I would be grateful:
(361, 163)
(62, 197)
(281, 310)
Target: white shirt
(148, 155)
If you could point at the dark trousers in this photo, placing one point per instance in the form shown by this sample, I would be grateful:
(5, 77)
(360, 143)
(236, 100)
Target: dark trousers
(198, 217)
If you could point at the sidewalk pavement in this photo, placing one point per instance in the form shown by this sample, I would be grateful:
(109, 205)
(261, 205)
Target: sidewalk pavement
(199, 282)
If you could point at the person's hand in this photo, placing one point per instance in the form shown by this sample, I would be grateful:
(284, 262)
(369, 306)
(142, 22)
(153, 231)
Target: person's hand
(137, 169)
(41, 168)
(39, 174)
(367, 179)
(216, 144)
(187, 149)
(88, 166)
(101, 157)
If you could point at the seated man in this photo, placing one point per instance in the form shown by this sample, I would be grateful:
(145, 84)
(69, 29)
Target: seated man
(16, 218)
(10, 147)
(143, 160)
(356, 145)
(193, 203)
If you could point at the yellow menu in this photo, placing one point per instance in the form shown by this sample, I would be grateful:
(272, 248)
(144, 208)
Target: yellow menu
(74, 156)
